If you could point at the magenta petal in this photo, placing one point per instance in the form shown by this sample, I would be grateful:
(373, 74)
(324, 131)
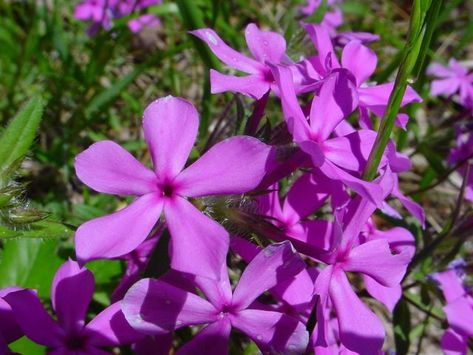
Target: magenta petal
(229, 56)
(337, 99)
(314, 150)
(198, 245)
(254, 86)
(363, 333)
(272, 330)
(107, 167)
(72, 291)
(170, 125)
(459, 315)
(295, 119)
(453, 343)
(159, 344)
(264, 45)
(389, 296)
(275, 263)
(215, 336)
(445, 86)
(110, 328)
(119, 233)
(219, 293)
(451, 284)
(9, 329)
(374, 258)
(321, 39)
(359, 60)
(155, 307)
(297, 204)
(33, 319)
(351, 152)
(233, 166)
(438, 70)
(368, 190)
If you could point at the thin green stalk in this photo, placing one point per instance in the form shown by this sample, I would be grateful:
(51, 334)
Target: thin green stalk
(414, 52)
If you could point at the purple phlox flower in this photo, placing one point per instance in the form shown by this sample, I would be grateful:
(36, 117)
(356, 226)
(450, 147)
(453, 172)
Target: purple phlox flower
(462, 153)
(233, 166)
(9, 328)
(400, 240)
(102, 13)
(452, 79)
(265, 46)
(71, 294)
(156, 306)
(459, 311)
(309, 236)
(340, 158)
(136, 263)
(295, 295)
(361, 61)
(383, 258)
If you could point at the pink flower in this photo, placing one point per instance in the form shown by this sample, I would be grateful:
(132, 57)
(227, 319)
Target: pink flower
(170, 125)
(156, 306)
(452, 79)
(266, 47)
(9, 328)
(71, 294)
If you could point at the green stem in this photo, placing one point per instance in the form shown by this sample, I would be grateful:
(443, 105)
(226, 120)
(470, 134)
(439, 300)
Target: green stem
(414, 51)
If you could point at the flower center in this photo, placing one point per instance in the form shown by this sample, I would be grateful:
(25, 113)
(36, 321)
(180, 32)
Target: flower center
(167, 190)
(75, 342)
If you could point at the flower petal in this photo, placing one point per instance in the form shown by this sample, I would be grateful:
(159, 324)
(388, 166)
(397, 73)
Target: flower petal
(265, 46)
(321, 39)
(9, 329)
(110, 328)
(272, 330)
(337, 99)
(363, 333)
(229, 56)
(254, 86)
(170, 125)
(72, 291)
(118, 233)
(107, 167)
(359, 60)
(33, 319)
(275, 263)
(156, 307)
(389, 296)
(374, 258)
(453, 343)
(198, 245)
(233, 166)
(215, 336)
(459, 315)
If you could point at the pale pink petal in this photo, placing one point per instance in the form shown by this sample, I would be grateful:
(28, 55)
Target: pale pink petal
(118, 233)
(170, 125)
(107, 167)
(359, 60)
(264, 45)
(363, 333)
(254, 86)
(272, 330)
(233, 166)
(195, 237)
(215, 336)
(71, 293)
(229, 56)
(156, 307)
(275, 263)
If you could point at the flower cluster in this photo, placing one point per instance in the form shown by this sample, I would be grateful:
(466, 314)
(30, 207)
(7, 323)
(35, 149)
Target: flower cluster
(322, 240)
(101, 13)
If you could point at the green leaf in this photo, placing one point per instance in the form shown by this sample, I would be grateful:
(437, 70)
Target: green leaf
(42, 229)
(27, 346)
(29, 263)
(17, 138)
(402, 327)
